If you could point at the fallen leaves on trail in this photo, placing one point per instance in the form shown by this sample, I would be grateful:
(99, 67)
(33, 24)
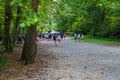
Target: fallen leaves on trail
(85, 67)
(17, 69)
(108, 67)
(89, 75)
(99, 71)
(56, 78)
(3, 78)
(102, 73)
(32, 69)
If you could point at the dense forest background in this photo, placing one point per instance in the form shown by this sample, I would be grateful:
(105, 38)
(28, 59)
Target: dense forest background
(98, 18)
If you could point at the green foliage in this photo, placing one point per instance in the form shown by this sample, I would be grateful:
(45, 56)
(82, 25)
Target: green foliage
(16, 3)
(3, 60)
(2, 48)
(99, 18)
(1, 15)
(30, 20)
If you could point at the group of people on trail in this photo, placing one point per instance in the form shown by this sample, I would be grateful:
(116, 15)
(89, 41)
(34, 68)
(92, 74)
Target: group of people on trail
(78, 36)
(56, 37)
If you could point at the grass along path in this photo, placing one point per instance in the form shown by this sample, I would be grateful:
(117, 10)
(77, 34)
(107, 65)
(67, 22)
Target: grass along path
(105, 41)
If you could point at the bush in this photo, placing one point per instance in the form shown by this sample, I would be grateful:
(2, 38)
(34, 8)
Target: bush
(3, 60)
(2, 48)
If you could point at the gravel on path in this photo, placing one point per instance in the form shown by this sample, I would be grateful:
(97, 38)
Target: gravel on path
(83, 61)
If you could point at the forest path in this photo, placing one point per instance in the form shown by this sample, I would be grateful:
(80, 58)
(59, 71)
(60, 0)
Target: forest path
(82, 61)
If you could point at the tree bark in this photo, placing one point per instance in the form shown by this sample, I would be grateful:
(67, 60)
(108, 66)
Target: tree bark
(30, 46)
(7, 21)
(29, 49)
(16, 27)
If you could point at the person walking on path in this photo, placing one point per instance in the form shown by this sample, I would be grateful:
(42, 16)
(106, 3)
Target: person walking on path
(64, 35)
(78, 36)
(82, 37)
(55, 38)
(75, 36)
(58, 39)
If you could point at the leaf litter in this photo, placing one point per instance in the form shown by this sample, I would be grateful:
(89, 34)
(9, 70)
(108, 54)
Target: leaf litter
(18, 71)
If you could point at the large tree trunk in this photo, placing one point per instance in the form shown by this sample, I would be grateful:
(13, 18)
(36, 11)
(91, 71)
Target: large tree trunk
(7, 21)
(30, 47)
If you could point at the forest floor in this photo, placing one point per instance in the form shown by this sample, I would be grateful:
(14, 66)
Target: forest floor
(69, 61)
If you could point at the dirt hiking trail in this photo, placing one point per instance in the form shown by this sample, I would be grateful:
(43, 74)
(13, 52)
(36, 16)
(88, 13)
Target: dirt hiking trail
(82, 61)
(69, 61)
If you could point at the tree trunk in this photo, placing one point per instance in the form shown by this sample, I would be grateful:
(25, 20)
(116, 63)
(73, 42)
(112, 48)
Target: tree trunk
(16, 27)
(30, 46)
(29, 49)
(7, 21)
